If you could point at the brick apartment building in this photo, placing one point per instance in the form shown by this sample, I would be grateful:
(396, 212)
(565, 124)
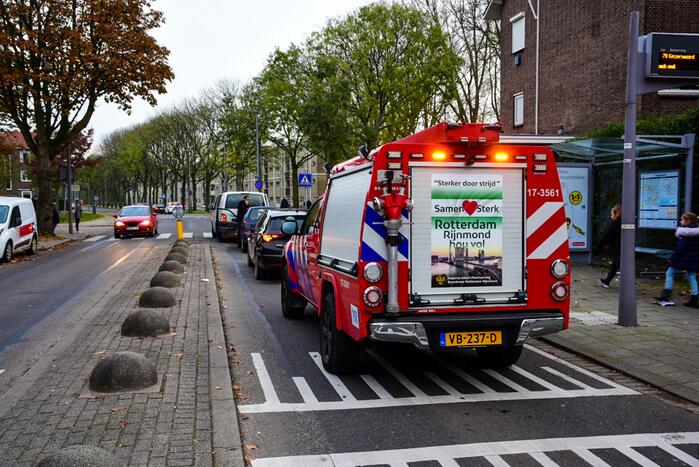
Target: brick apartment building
(582, 61)
(14, 172)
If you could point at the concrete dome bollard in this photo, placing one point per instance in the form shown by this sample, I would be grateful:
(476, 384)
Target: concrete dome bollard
(172, 266)
(157, 297)
(79, 456)
(176, 257)
(166, 279)
(183, 243)
(180, 250)
(145, 323)
(123, 371)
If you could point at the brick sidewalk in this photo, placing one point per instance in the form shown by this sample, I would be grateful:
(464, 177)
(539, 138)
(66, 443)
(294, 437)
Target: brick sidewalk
(169, 424)
(662, 351)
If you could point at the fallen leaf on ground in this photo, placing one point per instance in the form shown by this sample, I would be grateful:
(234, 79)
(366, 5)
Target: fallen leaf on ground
(179, 354)
(173, 333)
(244, 417)
(205, 279)
(118, 409)
(237, 362)
(236, 387)
(218, 388)
(101, 352)
(252, 447)
(122, 424)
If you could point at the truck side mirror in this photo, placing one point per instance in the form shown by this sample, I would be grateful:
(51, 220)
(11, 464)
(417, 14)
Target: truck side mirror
(290, 227)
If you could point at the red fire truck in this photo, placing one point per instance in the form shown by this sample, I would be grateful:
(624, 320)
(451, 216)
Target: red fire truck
(445, 239)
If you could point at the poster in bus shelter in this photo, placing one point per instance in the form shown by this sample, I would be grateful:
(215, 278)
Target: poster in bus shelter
(466, 230)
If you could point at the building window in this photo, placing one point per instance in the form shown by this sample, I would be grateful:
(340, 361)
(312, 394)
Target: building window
(517, 22)
(26, 194)
(518, 109)
(23, 176)
(24, 157)
(8, 173)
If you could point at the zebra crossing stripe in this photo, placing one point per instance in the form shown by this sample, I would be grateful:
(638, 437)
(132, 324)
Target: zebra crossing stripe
(2, 371)
(492, 451)
(548, 389)
(94, 239)
(164, 236)
(207, 235)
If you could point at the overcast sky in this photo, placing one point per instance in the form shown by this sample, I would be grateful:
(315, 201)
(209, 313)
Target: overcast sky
(210, 40)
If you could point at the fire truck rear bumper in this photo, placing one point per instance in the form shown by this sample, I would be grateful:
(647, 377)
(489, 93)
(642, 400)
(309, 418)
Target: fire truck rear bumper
(422, 331)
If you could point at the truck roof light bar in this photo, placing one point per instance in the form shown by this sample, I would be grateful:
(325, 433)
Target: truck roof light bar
(417, 155)
(521, 157)
(464, 139)
(394, 166)
(480, 157)
(539, 167)
(394, 154)
(459, 156)
(482, 139)
(540, 157)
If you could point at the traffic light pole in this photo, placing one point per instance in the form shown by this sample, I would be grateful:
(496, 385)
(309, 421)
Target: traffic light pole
(257, 149)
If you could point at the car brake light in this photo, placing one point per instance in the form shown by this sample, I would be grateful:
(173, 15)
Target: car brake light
(559, 291)
(501, 156)
(439, 156)
(270, 237)
(224, 217)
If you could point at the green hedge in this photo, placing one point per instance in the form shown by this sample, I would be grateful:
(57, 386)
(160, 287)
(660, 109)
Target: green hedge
(687, 122)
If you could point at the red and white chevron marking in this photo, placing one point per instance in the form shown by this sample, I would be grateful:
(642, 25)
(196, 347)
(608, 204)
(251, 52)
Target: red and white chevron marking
(545, 232)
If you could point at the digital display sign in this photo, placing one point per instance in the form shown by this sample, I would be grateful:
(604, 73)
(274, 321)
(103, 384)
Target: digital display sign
(672, 55)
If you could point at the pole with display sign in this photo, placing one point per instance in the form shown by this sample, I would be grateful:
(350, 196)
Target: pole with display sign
(576, 183)
(655, 61)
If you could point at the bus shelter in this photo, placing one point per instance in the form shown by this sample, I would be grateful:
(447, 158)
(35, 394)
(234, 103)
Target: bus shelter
(591, 176)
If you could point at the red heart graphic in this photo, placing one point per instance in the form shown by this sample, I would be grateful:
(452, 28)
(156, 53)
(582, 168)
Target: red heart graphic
(470, 206)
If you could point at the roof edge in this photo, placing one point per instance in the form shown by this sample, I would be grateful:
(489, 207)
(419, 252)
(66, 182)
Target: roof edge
(494, 10)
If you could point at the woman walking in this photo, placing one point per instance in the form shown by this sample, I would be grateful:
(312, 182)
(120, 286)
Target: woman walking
(612, 239)
(684, 258)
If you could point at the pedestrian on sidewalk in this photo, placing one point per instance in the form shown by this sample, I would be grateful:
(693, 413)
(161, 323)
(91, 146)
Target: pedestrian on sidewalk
(612, 239)
(55, 218)
(685, 257)
(78, 214)
(284, 204)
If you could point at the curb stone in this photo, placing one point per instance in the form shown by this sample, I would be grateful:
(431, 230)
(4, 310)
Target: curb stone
(227, 444)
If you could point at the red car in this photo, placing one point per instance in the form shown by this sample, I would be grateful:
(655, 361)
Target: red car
(135, 221)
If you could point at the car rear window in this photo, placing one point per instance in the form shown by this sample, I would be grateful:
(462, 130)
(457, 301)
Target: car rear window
(254, 214)
(135, 211)
(256, 199)
(3, 213)
(275, 224)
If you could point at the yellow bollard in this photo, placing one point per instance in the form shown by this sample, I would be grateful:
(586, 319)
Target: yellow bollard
(180, 229)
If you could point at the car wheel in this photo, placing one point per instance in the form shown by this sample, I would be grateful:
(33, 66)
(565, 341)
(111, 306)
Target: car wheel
(259, 272)
(340, 354)
(33, 246)
(498, 358)
(218, 234)
(116, 235)
(156, 232)
(7, 252)
(293, 306)
(241, 244)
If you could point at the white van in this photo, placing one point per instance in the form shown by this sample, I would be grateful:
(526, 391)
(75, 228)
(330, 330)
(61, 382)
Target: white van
(224, 225)
(17, 227)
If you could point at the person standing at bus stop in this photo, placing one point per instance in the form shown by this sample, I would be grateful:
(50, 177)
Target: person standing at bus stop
(685, 257)
(612, 239)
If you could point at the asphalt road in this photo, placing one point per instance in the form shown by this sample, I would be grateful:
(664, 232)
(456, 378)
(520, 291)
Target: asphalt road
(413, 408)
(38, 294)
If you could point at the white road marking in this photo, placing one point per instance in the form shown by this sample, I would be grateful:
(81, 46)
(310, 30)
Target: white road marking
(2, 371)
(492, 451)
(550, 390)
(188, 235)
(164, 236)
(94, 239)
(112, 239)
(207, 235)
(334, 380)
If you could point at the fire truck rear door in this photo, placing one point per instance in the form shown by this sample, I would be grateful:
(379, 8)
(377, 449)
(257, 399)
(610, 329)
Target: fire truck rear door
(466, 240)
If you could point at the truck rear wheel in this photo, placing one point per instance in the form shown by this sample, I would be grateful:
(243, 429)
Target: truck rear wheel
(498, 358)
(293, 306)
(340, 354)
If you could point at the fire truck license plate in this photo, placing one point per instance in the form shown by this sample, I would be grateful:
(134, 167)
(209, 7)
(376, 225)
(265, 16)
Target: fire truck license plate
(469, 339)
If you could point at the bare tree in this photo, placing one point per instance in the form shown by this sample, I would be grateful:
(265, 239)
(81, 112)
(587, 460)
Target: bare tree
(474, 96)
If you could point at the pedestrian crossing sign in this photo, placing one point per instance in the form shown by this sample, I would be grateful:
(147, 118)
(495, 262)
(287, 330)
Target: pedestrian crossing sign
(305, 179)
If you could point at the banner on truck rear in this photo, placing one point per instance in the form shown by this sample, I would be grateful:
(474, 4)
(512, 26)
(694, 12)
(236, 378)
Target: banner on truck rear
(466, 230)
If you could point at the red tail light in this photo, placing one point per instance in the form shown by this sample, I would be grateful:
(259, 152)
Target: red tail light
(270, 237)
(224, 218)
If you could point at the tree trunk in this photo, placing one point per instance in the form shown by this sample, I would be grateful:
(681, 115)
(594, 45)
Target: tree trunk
(44, 215)
(193, 207)
(295, 185)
